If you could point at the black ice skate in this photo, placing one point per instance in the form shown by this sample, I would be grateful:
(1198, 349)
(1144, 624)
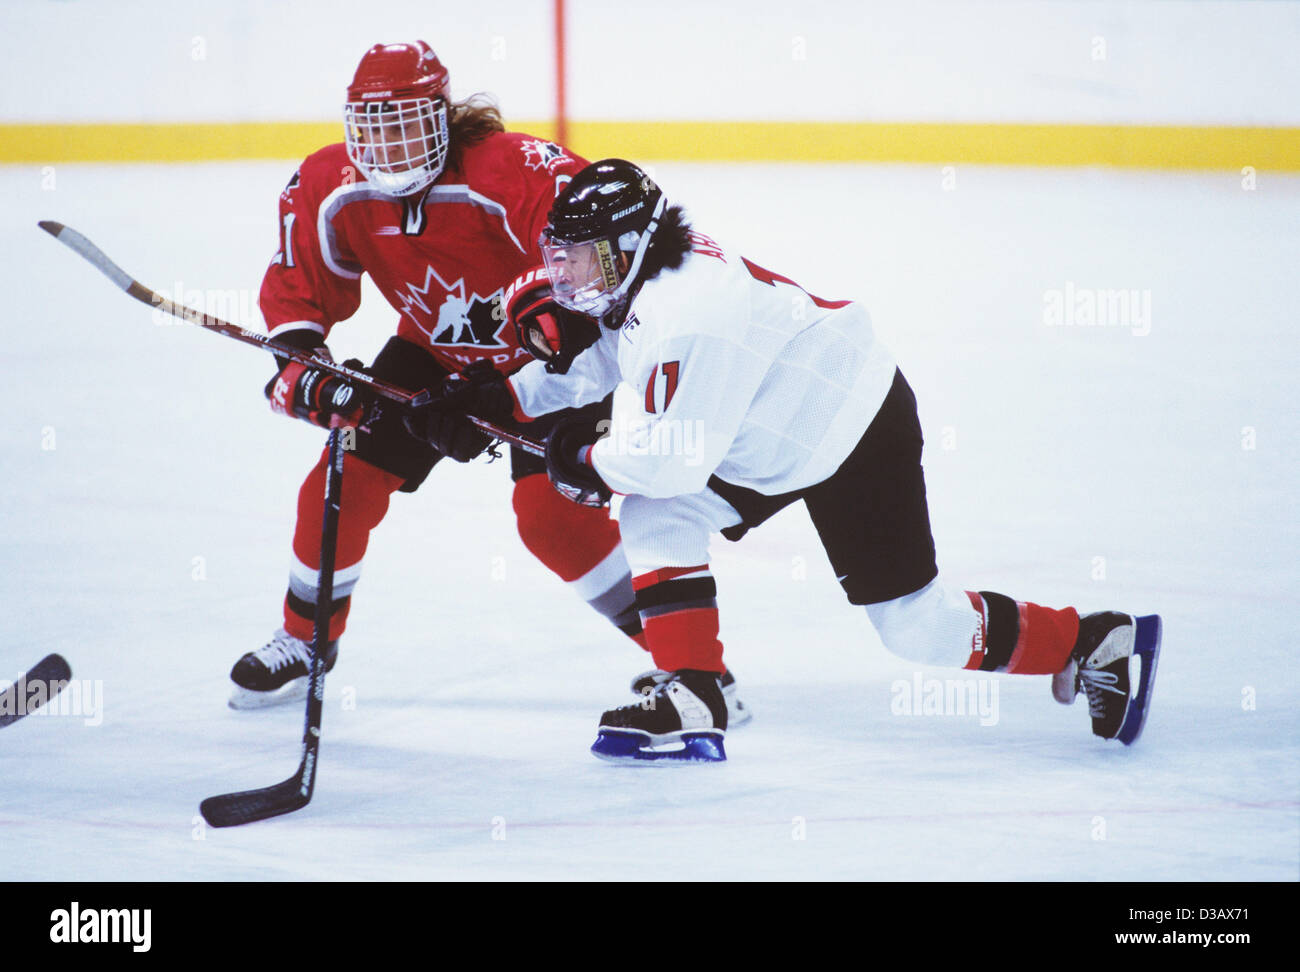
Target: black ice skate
(1114, 663)
(737, 712)
(683, 718)
(277, 672)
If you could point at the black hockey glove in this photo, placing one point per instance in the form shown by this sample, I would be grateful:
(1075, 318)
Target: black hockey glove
(478, 390)
(568, 461)
(307, 393)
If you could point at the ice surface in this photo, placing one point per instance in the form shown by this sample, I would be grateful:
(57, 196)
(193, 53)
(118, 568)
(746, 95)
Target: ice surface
(148, 495)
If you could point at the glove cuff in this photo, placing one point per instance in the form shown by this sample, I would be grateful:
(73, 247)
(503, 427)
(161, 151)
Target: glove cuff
(301, 339)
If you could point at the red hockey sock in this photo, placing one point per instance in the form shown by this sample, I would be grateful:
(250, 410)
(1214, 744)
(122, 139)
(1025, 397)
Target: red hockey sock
(1021, 638)
(679, 608)
(581, 544)
(363, 503)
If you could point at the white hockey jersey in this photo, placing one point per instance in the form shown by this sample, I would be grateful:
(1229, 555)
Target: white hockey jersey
(723, 368)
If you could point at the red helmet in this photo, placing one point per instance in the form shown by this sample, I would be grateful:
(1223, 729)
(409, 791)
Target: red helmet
(395, 119)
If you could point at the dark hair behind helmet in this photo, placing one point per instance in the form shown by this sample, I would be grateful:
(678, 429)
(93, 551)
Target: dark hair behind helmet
(671, 243)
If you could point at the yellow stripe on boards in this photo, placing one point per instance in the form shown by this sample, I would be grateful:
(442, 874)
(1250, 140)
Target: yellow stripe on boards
(1128, 146)
(164, 142)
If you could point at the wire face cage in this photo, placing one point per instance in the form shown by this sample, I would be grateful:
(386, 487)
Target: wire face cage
(400, 146)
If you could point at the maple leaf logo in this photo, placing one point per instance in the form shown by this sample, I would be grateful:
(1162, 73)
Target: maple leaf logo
(464, 319)
(543, 155)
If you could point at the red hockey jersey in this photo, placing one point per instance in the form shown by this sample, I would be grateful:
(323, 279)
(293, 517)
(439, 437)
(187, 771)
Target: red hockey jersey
(441, 257)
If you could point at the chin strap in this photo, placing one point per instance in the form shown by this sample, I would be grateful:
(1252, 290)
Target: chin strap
(642, 246)
(622, 294)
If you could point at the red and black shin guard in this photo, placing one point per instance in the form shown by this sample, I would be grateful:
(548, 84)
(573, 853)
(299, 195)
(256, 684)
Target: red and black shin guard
(1021, 638)
(679, 609)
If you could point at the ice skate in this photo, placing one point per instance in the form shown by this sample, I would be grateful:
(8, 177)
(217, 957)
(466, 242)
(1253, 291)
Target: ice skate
(737, 712)
(682, 718)
(1114, 664)
(277, 672)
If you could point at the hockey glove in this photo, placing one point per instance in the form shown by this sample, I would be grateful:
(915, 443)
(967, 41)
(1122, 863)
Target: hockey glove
(478, 390)
(568, 461)
(546, 330)
(307, 393)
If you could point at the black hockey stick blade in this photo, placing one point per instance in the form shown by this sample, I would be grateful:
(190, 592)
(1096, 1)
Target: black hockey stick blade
(52, 672)
(247, 806)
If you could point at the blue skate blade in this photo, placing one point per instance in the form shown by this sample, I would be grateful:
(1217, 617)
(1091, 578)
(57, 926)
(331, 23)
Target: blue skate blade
(1146, 647)
(629, 746)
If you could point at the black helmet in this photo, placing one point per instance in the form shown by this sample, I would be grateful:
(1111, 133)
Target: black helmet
(609, 208)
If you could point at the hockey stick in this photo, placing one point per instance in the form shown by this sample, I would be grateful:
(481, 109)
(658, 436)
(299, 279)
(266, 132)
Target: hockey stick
(52, 671)
(382, 389)
(246, 806)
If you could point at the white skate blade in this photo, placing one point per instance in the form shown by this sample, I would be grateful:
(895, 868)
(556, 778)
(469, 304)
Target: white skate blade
(242, 698)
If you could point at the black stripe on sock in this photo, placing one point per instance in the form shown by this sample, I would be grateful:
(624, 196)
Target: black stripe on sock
(648, 614)
(672, 591)
(1003, 631)
(307, 610)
